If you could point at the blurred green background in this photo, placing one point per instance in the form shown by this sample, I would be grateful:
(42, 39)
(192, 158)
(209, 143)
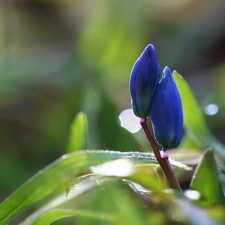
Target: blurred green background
(58, 58)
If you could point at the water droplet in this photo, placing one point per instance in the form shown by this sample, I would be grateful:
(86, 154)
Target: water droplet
(211, 109)
(129, 121)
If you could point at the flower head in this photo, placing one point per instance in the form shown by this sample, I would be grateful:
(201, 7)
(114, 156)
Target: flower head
(144, 78)
(166, 112)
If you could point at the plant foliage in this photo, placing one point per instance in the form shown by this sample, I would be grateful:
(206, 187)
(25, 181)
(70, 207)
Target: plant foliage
(112, 187)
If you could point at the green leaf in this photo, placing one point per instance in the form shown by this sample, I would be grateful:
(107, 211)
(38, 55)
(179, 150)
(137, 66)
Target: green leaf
(115, 190)
(206, 181)
(58, 173)
(57, 214)
(78, 133)
(193, 118)
(194, 123)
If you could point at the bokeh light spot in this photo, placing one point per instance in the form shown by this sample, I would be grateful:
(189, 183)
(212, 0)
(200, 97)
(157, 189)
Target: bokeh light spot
(129, 121)
(192, 195)
(211, 109)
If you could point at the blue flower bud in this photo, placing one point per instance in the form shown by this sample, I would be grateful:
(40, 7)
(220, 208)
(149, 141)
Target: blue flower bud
(144, 78)
(166, 112)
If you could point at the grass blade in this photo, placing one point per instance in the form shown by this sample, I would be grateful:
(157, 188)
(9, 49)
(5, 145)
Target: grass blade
(194, 122)
(78, 133)
(57, 214)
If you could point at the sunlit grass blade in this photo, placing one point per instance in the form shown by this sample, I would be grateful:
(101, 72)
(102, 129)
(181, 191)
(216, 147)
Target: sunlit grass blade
(81, 186)
(146, 179)
(57, 173)
(78, 133)
(57, 214)
(60, 171)
(206, 181)
(194, 122)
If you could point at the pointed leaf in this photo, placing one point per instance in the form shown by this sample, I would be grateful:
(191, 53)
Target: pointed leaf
(195, 125)
(78, 133)
(206, 181)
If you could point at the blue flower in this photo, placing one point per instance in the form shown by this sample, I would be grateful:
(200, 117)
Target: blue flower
(166, 112)
(144, 78)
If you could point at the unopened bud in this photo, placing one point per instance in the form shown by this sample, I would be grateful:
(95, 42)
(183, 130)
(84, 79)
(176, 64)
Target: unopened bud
(144, 78)
(166, 112)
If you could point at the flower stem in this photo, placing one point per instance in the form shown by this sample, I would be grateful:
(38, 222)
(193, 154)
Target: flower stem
(163, 162)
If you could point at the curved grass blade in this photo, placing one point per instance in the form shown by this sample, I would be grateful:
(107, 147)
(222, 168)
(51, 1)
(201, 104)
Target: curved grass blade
(60, 171)
(195, 125)
(140, 175)
(57, 214)
(57, 173)
(80, 187)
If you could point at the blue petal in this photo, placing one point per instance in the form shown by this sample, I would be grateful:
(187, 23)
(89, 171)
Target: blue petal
(166, 112)
(144, 78)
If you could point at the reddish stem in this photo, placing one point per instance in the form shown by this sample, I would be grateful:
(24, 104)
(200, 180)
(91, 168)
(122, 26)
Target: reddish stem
(163, 162)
